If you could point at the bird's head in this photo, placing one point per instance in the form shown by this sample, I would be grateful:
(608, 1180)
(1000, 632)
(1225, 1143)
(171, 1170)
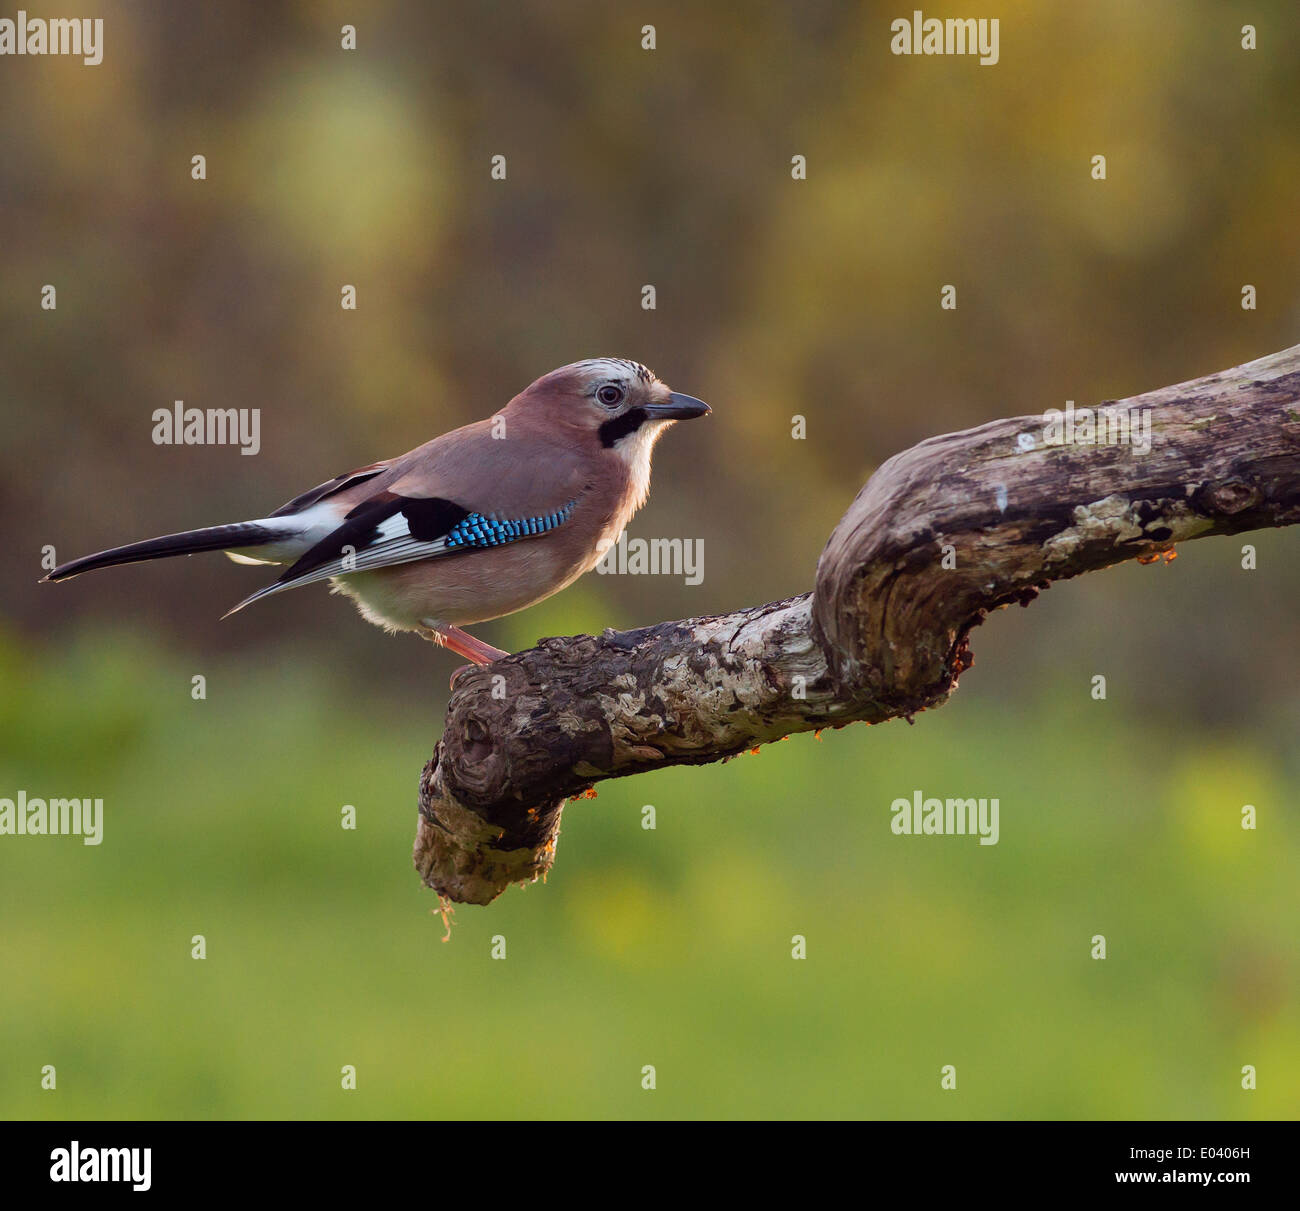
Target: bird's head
(606, 403)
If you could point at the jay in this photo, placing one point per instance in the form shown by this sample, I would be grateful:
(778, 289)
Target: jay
(478, 523)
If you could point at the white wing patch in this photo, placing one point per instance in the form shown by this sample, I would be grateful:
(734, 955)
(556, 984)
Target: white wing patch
(239, 557)
(392, 545)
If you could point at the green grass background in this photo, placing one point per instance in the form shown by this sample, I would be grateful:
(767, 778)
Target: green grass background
(669, 947)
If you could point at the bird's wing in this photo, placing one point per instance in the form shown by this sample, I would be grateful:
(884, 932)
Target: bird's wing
(460, 493)
(303, 506)
(331, 487)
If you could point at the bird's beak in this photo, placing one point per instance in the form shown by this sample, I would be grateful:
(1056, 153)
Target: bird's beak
(678, 407)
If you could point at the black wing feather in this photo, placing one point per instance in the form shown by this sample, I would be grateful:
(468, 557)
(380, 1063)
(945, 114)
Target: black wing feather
(329, 488)
(428, 519)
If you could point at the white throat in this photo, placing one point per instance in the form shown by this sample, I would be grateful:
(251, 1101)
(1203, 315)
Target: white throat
(635, 450)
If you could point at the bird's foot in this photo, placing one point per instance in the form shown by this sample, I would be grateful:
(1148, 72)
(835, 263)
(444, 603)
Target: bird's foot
(462, 643)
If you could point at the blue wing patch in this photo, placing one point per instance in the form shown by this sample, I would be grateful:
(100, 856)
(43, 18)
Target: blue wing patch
(479, 531)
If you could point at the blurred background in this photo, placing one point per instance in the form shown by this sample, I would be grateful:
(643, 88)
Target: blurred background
(775, 297)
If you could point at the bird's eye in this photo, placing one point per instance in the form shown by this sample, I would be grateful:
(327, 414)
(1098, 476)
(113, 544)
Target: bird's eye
(610, 395)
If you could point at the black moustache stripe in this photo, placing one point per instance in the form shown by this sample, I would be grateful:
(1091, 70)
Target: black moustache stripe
(620, 426)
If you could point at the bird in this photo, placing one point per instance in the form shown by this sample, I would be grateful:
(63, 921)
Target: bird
(478, 523)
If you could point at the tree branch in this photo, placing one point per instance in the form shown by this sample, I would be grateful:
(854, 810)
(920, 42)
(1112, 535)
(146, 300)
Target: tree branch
(940, 535)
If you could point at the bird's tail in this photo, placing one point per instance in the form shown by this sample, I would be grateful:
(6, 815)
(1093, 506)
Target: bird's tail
(213, 538)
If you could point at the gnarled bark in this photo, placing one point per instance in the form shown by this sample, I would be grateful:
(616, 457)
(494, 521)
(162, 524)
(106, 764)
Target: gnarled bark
(940, 535)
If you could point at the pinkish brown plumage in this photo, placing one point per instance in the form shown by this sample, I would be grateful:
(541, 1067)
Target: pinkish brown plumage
(478, 523)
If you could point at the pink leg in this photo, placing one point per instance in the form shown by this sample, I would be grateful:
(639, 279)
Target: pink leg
(462, 643)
